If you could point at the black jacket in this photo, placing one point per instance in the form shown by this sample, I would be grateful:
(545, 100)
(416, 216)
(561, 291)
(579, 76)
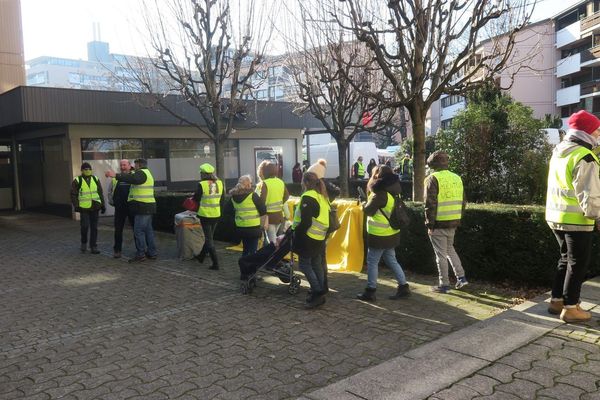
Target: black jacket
(75, 194)
(304, 245)
(198, 198)
(381, 187)
(240, 195)
(137, 178)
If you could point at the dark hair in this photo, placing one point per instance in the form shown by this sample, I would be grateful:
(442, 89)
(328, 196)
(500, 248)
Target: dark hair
(141, 162)
(86, 165)
(205, 176)
(296, 165)
(373, 161)
(384, 170)
(312, 182)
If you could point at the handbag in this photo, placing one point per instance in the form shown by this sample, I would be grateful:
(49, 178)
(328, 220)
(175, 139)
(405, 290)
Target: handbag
(334, 222)
(190, 204)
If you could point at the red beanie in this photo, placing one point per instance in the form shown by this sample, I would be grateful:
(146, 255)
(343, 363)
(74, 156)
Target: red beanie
(584, 121)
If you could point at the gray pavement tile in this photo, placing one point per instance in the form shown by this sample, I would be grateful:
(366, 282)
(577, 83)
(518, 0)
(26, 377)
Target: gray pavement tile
(562, 392)
(582, 380)
(456, 392)
(542, 376)
(482, 384)
(500, 372)
(520, 388)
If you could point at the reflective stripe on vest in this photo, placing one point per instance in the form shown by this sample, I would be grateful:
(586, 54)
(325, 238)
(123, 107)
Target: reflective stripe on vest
(275, 191)
(246, 214)
(562, 206)
(361, 169)
(88, 193)
(378, 224)
(210, 202)
(143, 193)
(318, 227)
(450, 196)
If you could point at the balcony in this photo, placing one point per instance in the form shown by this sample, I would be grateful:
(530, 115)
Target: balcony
(569, 95)
(569, 65)
(588, 89)
(568, 35)
(590, 22)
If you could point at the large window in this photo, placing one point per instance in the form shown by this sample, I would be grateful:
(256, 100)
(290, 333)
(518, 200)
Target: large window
(451, 100)
(186, 155)
(111, 149)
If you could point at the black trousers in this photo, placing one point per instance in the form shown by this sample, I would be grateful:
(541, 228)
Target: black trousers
(575, 252)
(122, 214)
(209, 231)
(89, 221)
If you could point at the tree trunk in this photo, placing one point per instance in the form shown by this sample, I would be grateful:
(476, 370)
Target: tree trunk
(220, 157)
(417, 115)
(343, 166)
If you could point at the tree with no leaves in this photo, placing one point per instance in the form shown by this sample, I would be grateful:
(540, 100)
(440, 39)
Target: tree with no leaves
(332, 74)
(206, 51)
(427, 48)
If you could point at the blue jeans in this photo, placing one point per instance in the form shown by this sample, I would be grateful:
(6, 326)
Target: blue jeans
(250, 245)
(389, 257)
(144, 235)
(313, 270)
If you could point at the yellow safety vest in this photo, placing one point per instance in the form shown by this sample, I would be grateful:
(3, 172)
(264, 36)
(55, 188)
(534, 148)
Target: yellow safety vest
(450, 196)
(210, 202)
(361, 169)
(562, 206)
(246, 214)
(275, 191)
(379, 224)
(143, 193)
(318, 227)
(87, 193)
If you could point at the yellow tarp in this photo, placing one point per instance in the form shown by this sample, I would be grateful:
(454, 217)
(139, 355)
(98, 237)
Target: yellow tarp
(345, 247)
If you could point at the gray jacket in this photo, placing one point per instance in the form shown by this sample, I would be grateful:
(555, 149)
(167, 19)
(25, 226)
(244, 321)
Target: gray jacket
(586, 179)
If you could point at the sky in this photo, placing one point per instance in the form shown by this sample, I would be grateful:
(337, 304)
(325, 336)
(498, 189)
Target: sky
(62, 28)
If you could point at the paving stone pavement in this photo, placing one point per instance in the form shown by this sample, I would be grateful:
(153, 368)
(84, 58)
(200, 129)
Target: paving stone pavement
(563, 364)
(82, 326)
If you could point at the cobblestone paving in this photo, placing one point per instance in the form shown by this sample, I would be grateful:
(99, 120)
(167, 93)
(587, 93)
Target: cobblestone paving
(562, 365)
(82, 326)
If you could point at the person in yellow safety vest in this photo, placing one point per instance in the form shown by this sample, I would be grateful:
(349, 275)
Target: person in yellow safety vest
(311, 221)
(142, 204)
(118, 196)
(87, 199)
(248, 208)
(274, 194)
(209, 196)
(445, 202)
(358, 169)
(382, 239)
(572, 211)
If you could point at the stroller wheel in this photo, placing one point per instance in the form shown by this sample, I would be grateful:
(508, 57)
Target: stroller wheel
(294, 284)
(244, 288)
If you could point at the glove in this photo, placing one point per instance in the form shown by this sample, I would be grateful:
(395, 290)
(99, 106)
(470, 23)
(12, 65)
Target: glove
(103, 210)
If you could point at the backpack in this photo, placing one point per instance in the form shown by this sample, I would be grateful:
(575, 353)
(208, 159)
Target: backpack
(399, 217)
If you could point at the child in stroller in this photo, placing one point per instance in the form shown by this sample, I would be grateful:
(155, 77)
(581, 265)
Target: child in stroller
(270, 259)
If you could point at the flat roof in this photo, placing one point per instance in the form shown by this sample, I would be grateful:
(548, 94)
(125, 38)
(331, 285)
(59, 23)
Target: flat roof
(27, 105)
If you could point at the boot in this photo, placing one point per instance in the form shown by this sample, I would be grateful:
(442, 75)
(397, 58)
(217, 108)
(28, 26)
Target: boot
(367, 295)
(556, 306)
(573, 314)
(200, 257)
(315, 300)
(402, 292)
(215, 261)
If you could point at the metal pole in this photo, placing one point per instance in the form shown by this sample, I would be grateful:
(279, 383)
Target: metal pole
(16, 183)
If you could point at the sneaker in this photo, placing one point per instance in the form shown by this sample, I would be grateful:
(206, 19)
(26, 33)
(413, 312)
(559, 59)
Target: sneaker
(94, 250)
(136, 259)
(440, 289)
(575, 314)
(461, 282)
(83, 247)
(117, 254)
(149, 257)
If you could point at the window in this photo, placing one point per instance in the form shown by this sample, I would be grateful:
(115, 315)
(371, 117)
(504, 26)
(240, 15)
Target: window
(111, 149)
(446, 123)
(186, 155)
(37, 78)
(451, 100)
(74, 78)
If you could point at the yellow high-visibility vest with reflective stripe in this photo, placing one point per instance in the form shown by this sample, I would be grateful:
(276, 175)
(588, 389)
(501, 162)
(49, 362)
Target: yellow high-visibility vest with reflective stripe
(562, 206)
(450, 196)
(210, 202)
(143, 193)
(361, 169)
(275, 191)
(88, 193)
(378, 224)
(319, 225)
(246, 214)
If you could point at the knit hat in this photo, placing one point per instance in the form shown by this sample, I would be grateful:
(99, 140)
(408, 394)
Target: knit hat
(438, 160)
(584, 121)
(86, 165)
(318, 168)
(207, 168)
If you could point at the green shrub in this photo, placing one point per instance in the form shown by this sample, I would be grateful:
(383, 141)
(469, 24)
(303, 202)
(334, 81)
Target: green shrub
(496, 242)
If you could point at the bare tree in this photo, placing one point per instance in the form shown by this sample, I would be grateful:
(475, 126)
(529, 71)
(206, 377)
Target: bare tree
(332, 74)
(206, 51)
(427, 48)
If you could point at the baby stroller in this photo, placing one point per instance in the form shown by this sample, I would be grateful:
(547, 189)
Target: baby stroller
(270, 260)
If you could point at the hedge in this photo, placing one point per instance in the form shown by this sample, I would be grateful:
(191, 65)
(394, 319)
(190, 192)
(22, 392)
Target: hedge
(496, 242)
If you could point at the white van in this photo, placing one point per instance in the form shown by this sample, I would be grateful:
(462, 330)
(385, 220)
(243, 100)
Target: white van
(329, 152)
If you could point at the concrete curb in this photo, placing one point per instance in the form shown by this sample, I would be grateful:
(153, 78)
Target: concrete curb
(432, 367)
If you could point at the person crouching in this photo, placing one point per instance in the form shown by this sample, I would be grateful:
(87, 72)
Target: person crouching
(248, 208)
(311, 220)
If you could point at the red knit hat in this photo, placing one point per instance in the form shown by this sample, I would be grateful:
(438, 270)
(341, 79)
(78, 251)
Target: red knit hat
(584, 121)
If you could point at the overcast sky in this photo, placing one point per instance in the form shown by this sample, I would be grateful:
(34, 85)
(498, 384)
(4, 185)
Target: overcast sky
(62, 28)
